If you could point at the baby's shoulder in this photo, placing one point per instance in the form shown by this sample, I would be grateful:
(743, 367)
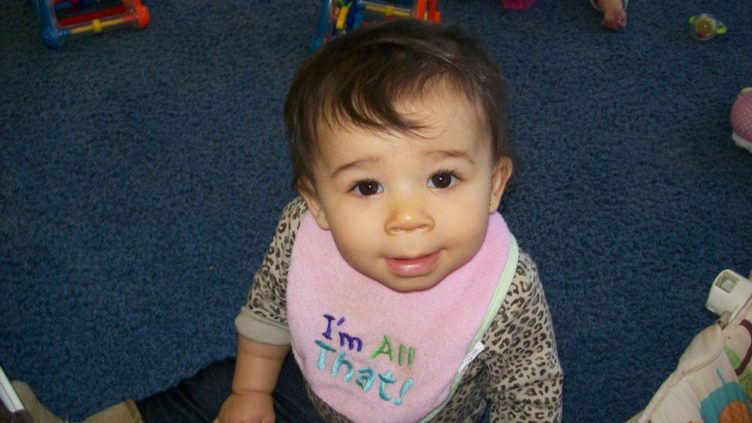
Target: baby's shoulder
(526, 279)
(524, 298)
(292, 215)
(287, 227)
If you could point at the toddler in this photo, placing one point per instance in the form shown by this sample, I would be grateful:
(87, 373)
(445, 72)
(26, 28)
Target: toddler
(393, 279)
(614, 13)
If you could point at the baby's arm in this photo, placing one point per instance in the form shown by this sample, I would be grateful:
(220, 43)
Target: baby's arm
(257, 369)
(264, 339)
(525, 380)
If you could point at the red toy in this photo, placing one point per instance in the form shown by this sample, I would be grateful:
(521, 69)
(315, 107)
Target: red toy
(63, 19)
(517, 4)
(741, 119)
(342, 16)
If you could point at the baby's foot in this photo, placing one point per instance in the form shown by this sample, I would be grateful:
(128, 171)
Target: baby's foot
(614, 15)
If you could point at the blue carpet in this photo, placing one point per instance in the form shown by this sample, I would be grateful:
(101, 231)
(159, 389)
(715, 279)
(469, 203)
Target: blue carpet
(142, 173)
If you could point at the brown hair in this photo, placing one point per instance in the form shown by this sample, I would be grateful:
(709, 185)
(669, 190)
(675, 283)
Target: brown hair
(362, 76)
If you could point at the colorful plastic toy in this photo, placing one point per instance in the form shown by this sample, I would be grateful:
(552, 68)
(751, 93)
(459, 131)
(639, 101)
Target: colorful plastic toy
(64, 19)
(705, 26)
(341, 16)
(741, 119)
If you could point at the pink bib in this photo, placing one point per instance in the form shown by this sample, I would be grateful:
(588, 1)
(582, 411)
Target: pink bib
(378, 355)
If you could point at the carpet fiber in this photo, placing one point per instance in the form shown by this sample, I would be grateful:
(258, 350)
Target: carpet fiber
(142, 172)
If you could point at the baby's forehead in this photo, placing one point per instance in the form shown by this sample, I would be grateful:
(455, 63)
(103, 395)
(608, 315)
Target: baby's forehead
(436, 96)
(433, 125)
(412, 113)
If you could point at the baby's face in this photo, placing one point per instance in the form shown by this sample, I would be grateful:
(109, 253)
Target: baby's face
(406, 210)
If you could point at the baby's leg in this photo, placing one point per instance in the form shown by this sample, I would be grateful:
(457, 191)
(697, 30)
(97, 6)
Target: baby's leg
(124, 412)
(198, 399)
(195, 399)
(614, 13)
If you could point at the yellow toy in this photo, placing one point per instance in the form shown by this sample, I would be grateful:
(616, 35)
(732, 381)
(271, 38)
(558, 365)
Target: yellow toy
(705, 26)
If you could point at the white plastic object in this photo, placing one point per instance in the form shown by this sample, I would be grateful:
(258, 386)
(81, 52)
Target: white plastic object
(8, 395)
(729, 292)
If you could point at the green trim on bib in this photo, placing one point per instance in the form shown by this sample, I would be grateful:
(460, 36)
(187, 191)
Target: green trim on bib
(493, 308)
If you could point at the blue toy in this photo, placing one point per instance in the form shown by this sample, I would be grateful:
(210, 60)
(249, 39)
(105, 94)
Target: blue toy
(341, 16)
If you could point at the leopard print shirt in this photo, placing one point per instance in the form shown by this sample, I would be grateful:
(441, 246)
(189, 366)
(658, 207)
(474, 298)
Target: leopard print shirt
(518, 372)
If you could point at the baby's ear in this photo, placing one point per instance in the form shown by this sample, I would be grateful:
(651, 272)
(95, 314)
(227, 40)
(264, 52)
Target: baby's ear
(499, 178)
(311, 198)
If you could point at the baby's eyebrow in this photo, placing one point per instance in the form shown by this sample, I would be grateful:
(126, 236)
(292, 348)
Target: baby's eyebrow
(441, 154)
(356, 163)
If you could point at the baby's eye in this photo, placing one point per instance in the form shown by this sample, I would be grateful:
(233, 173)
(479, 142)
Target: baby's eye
(367, 188)
(443, 179)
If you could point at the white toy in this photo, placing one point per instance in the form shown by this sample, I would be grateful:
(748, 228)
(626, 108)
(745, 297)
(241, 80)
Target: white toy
(712, 382)
(729, 292)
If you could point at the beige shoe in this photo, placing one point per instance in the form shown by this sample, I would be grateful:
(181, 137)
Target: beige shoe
(38, 411)
(124, 412)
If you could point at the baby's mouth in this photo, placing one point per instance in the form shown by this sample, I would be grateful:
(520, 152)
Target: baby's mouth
(413, 267)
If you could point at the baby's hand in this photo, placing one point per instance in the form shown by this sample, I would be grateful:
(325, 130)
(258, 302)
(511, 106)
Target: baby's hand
(250, 407)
